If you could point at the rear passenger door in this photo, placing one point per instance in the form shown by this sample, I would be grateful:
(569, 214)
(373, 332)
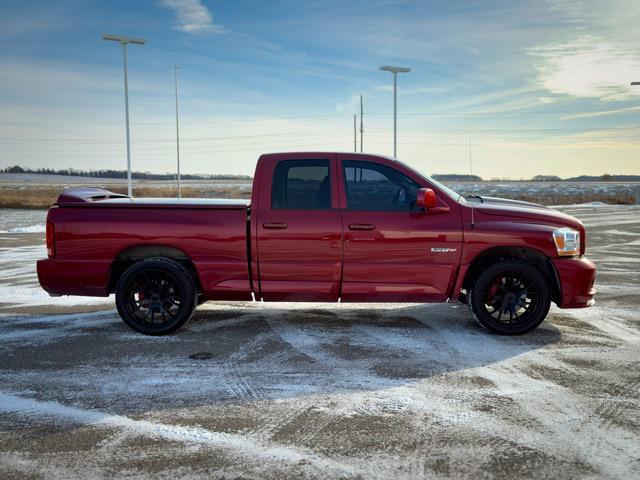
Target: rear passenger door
(299, 230)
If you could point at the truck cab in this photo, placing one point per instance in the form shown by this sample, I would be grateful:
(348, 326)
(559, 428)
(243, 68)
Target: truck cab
(348, 227)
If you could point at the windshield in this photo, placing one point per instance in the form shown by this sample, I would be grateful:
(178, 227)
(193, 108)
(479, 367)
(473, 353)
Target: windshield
(451, 193)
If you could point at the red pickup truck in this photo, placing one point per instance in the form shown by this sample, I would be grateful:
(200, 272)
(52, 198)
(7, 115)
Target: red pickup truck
(320, 227)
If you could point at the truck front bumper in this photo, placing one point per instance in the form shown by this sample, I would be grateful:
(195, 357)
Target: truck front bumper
(576, 277)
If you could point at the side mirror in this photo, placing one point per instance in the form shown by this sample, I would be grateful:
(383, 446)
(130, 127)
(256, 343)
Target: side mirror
(426, 198)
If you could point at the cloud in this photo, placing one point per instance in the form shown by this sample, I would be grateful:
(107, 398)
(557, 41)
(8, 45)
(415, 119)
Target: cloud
(604, 113)
(589, 67)
(192, 16)
(411, 90)
(352, 105)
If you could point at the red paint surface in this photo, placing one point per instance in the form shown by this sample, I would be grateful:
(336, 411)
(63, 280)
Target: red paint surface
(577, 276)
(312, 255)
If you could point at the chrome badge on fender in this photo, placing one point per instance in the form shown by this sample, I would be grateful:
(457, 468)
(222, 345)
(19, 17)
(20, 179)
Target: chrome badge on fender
(443, 250)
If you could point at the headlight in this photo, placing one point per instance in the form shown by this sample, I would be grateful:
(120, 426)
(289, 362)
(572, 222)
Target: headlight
(567, 241)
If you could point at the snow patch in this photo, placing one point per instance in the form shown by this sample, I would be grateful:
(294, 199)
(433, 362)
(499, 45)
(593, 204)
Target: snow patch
(19, 281)
(587, 204)
(242, 445)
(29, 229)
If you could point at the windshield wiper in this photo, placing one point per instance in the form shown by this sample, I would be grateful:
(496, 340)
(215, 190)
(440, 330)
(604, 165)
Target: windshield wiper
(475, 196)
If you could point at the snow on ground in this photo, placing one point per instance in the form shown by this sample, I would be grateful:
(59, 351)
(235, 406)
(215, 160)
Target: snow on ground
(22, 221)
(587, 204)
(252, 390)
(29, 229)
(19, 284)
(545, 190)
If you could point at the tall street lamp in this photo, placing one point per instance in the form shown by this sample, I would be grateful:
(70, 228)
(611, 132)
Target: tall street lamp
(176, 68)
(637, 191)
(124, 41)
(395, 71)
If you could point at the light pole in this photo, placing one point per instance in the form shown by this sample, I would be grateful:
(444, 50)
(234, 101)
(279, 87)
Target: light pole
(395, 71)
(361, 123)
(176, 68)
(124, 41)
(637, 191)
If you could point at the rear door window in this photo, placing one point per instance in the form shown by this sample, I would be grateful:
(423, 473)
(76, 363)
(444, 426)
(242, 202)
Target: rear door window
(301, 185)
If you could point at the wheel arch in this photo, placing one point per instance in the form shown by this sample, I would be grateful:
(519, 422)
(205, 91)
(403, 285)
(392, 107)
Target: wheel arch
(135, 253)
(530, 255)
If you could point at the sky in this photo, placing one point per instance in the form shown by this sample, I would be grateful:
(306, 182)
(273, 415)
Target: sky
(501, 89)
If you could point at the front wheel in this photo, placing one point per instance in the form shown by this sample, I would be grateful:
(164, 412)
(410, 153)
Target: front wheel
(155, 296)
(510, 297)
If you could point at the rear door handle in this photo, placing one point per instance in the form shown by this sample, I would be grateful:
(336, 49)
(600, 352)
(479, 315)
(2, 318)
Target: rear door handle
(274, 225)
(362, 226)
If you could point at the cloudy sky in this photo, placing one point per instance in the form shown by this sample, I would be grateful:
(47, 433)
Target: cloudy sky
(536, 87)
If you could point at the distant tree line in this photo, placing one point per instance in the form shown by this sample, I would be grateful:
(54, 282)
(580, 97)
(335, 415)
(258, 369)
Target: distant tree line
(119, 174)
(454, 177)
(546, 178)
(449, 177)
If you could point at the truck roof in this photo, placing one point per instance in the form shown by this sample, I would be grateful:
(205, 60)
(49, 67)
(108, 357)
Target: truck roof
(320, 154)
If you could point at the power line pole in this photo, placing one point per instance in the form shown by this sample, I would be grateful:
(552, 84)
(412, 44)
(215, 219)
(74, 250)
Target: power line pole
(355, 135)
(470, 162)
(361, 124)
(175, 71)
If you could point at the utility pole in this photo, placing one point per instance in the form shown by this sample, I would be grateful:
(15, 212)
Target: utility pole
(395, 71)
(361, 123)
(175, 72)
(124, 41)
(355, 135)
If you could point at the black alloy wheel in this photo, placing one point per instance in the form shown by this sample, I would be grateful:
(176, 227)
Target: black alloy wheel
(510, 297)
(155, 296)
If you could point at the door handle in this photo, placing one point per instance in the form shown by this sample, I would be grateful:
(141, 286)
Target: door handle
(274, 225)
(362, 226)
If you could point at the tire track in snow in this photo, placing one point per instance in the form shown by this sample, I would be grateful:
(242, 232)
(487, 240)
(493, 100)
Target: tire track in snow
(563, 433)
(240, 383)
(48, 328)
(309, 346)
(242, 446)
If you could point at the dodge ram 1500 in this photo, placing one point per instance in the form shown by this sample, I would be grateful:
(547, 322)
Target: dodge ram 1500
(320, 227)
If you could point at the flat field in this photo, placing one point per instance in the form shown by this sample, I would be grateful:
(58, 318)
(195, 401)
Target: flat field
(306, 391)
(40, 191)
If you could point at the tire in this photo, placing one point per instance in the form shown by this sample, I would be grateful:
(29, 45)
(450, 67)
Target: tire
(510, 297)
(155, 296)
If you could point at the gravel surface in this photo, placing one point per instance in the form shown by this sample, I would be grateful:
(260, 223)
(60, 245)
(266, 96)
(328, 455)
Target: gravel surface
(272, 391)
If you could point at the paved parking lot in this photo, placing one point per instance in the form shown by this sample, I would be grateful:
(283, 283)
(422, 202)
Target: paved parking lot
(250, 390)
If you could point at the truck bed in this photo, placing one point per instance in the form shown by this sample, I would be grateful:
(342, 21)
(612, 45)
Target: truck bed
(100, 232)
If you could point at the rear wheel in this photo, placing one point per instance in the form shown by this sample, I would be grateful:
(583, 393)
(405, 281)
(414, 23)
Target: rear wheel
(155, 296)
(510, 297)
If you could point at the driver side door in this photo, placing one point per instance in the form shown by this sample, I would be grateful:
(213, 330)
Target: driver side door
(394, 251)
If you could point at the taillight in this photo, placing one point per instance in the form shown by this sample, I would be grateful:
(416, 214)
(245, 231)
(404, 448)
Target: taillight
(51, 240)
